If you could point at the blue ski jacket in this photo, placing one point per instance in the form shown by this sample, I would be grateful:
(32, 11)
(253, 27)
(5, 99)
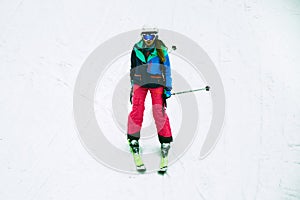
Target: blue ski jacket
(147, 68)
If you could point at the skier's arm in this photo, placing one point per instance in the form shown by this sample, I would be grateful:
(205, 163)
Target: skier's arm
(168, 73)
(133, 65)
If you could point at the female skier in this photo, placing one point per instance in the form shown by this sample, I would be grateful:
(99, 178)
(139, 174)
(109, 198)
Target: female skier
(150, 71)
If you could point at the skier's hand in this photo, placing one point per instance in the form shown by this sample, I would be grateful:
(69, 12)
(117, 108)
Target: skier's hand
(131, 95)
(167, 94)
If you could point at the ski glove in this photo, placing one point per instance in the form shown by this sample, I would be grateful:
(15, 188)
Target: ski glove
(167, 94)
(131, 95)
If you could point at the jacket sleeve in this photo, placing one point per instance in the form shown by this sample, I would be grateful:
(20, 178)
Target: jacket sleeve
(132, 66)
(168, 73)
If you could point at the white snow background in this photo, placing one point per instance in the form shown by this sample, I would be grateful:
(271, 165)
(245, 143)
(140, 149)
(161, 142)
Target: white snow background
(255, 46)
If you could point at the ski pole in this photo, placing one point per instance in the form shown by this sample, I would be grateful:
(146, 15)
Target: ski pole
(207, 88)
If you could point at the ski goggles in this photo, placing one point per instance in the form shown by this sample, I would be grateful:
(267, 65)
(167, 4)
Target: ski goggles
(148, 36)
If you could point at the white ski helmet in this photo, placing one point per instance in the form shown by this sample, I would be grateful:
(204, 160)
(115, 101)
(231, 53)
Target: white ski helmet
(149, 29)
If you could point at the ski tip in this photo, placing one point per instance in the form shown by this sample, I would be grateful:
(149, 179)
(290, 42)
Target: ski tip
(141, 168)
(162, 171)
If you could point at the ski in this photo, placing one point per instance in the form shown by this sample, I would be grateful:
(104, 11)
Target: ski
(163, 165)
(140, 167)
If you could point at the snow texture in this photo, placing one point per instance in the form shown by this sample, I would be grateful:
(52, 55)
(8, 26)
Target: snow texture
(255, 46)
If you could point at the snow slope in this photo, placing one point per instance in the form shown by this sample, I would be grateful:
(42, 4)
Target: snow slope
(255, 46)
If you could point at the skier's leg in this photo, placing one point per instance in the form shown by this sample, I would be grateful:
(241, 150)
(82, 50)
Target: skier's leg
(135, 118)
(161, 118)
